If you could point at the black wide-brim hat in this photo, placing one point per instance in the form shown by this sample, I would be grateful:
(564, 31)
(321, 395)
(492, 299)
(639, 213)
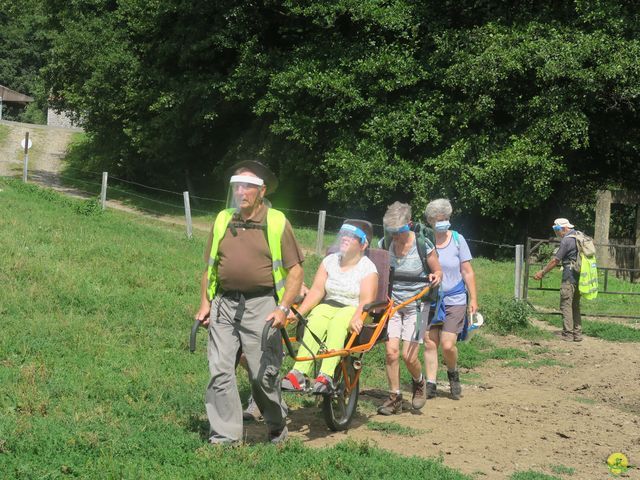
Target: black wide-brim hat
(258, 169)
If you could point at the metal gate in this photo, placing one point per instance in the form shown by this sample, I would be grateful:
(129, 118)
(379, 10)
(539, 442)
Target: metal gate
(605, 274)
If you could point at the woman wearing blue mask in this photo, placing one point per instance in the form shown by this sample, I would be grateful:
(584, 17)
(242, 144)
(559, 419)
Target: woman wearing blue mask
(457, 297)
(406, 326)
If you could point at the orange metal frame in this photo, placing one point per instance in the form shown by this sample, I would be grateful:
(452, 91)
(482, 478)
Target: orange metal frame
(349, 349)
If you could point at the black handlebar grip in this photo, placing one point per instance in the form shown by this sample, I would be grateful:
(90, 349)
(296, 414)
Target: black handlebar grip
(192, 338)
(265, 333)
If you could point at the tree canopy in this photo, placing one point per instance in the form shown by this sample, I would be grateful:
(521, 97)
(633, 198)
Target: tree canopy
(506, 108)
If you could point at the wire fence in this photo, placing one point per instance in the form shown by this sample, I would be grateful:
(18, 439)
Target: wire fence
(176, 207)
(163, 202)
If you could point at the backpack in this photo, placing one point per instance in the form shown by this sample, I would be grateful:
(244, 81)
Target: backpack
(423, 233)
(585, 265)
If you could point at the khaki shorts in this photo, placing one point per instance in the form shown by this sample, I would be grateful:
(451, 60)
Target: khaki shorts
(404, 325)
(453, 321)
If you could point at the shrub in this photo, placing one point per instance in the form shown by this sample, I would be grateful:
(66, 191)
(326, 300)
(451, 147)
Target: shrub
(545, 253)
(88, 207)
(508, 316)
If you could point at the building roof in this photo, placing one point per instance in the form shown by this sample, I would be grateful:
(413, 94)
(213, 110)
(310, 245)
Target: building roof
(9, 95)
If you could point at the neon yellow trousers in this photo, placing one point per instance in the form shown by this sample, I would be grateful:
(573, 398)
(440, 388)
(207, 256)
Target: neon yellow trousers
(329, 323)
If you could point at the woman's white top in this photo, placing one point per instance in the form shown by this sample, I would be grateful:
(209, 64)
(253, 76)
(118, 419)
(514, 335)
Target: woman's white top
(344, 287)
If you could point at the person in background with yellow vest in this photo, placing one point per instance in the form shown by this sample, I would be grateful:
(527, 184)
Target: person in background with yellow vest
(254, 272)
(566, 255)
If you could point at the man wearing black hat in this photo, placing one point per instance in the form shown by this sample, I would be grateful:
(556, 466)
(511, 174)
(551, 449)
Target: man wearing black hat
(253, 274)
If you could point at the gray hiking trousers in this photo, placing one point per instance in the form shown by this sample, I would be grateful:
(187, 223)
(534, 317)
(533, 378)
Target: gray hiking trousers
(226, 335)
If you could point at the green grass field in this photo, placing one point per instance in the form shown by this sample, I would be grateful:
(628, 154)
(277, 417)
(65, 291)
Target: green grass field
(96, 378)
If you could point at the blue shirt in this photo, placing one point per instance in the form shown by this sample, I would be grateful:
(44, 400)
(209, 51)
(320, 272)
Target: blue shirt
(451, 258)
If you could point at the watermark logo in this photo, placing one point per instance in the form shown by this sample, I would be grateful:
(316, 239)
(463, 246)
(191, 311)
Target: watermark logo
(617, 463)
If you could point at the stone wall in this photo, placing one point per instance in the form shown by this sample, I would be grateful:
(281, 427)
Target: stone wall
(61, 119)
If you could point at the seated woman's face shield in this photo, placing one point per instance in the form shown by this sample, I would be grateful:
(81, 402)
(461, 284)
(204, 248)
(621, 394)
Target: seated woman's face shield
(244, 191)
(350, 239)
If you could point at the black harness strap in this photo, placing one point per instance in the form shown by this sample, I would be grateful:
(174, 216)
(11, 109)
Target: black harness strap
(242, 297)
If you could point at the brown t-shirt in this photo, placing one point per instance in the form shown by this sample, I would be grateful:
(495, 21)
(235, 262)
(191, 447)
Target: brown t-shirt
(244, 260)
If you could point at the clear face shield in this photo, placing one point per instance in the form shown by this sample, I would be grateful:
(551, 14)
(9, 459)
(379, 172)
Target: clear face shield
(350, 241)
(393, 231)
(245, 190)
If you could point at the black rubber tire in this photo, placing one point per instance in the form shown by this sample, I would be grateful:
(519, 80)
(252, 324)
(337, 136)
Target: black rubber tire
(340, 407)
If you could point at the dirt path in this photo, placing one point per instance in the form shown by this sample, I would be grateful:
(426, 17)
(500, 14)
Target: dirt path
(50, 146)
(573, 413)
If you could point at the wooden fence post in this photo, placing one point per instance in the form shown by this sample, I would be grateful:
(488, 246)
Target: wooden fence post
(518, 272)
(187, 214)
(322, 215)
(103, 190)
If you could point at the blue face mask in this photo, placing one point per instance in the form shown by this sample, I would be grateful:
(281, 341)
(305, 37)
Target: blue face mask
(442, 226)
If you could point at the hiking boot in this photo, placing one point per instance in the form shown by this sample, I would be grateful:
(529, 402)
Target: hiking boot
(279, 436)
(432, 390)
(419, 398)
(567, 337)
(252, 412)
(323, 385)
(392, 405)
(293, 382)
(454, 384)
(577, 337)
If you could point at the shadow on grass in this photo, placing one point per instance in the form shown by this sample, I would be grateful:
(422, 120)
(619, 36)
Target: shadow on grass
(199, 425)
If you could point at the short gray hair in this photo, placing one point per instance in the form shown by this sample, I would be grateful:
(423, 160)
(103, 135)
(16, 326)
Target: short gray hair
(437, 208)
(398, 214)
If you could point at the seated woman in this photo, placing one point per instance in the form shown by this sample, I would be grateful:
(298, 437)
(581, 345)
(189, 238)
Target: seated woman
(345, 282)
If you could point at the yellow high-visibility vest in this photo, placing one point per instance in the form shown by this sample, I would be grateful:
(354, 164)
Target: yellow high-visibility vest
(276, 222)
(588, 281)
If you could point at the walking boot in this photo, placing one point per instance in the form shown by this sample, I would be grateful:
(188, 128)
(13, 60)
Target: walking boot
(432, 390)
(252, 412)
(392, 405)
(454, 384)
(419, 398)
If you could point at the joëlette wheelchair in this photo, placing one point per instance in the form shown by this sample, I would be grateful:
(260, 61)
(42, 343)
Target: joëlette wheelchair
(339, 406)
